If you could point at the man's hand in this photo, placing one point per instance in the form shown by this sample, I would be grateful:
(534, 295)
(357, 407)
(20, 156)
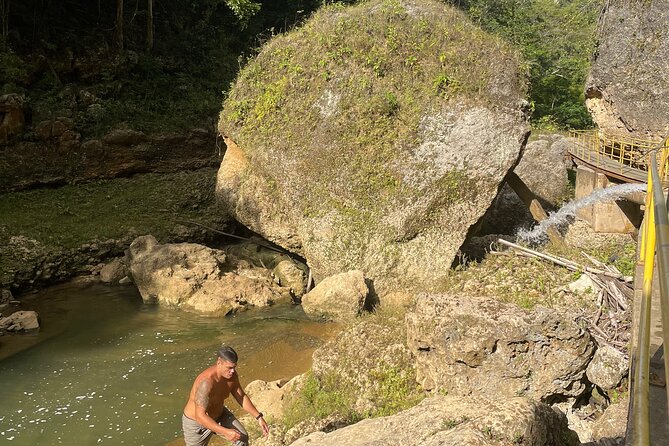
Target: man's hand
(232, 435)
(263, 426)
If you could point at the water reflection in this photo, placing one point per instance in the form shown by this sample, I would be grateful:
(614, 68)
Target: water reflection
(108, 370)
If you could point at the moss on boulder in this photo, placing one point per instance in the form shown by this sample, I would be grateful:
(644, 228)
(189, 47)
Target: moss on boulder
(373, 137)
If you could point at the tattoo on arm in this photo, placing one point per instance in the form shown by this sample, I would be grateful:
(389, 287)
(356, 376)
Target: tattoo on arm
(202, 394)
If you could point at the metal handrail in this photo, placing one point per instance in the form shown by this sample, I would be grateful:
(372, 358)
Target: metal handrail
(655, 241)
(624, 156)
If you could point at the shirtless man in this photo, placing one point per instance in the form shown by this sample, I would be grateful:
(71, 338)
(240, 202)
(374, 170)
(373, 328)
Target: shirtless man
(205, 413)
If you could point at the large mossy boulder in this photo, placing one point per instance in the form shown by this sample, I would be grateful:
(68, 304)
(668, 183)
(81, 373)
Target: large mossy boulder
(373, 138)
(627, 91)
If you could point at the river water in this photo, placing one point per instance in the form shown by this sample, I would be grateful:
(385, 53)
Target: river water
(107, 370)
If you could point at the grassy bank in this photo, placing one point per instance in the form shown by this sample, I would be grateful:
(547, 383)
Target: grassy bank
(37, 222)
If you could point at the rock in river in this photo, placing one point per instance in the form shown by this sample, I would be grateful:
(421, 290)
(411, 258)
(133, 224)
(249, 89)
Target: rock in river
(195, 277)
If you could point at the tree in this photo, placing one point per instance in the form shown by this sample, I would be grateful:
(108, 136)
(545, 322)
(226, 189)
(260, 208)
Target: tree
(4, 13)
(149, 25)
(243, 9)
(119, 24)
(557, 38)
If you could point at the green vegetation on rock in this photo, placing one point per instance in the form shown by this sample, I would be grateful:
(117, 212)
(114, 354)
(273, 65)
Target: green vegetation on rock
(557, 38)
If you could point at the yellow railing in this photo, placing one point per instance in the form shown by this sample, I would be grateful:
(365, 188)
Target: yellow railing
(623, 156)
(654, 243)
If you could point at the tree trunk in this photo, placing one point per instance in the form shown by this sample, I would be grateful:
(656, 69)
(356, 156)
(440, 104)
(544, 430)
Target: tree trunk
(119, 24)
(149, 25)
(4, 13)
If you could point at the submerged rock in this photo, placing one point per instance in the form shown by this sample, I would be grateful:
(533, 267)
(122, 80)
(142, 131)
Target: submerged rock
(372, 138)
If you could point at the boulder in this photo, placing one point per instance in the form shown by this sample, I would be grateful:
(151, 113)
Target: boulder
(289, 275)
(457, 421)
(20, 321)
(113, 271)
(339, 297)
(270, 397)
(195, 277)
(356, 140)
(607, 368)
(12, 116)
(626, 93)
(480, 346)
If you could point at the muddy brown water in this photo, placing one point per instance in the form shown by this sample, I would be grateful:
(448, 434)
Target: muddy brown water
(107, 370)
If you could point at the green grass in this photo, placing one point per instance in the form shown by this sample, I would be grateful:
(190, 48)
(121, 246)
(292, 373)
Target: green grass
(76, 214)
(44, 222)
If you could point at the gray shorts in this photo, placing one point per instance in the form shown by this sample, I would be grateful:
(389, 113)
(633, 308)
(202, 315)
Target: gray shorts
(197, 435)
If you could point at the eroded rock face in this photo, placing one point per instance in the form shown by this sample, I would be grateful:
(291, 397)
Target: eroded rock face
(329, 157)
(543, 168)
(361, 355)
(195, 277)
(627, 91)
(339, 297)
(271, 396)
(65, 157)
(472, 346)
(457, 421)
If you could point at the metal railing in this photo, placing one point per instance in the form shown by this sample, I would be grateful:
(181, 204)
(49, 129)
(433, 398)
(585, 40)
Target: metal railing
(655, 243)
(623, 156)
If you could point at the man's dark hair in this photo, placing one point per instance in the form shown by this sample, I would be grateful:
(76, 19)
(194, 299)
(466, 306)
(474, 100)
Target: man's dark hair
(227, 354)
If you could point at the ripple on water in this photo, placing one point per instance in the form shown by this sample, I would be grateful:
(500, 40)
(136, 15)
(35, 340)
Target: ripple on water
(107, 370)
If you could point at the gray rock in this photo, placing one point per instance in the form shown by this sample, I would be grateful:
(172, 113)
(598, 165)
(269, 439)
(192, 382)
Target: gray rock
(477, 346)
(607, 368)
(626, 93)
(270, 397)
(612, 425)
(330, 191)
(289, 275)
(339, 297)
(195, 277)
(457, 421)
(544, 170)
(113, 271)
(20, 321)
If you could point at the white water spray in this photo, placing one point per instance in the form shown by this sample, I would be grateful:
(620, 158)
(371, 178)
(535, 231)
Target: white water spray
(560, 217)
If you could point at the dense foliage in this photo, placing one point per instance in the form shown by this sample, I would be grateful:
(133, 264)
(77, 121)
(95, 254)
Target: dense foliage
(48, 49)
(557, 38)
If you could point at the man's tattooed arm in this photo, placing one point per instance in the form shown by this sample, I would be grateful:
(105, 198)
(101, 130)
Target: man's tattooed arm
(202, 393)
